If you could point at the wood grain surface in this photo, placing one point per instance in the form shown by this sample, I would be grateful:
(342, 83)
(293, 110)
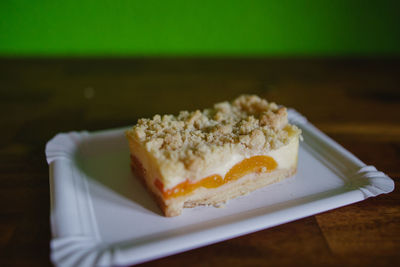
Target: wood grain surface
(354, 101)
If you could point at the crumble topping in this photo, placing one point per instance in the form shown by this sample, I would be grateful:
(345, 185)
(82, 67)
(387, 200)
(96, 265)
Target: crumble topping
(248, 125)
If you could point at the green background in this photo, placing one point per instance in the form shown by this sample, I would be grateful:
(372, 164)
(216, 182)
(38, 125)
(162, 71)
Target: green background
(199, 28)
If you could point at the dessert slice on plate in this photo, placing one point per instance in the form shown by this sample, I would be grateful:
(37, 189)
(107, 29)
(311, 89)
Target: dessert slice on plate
(208, 157)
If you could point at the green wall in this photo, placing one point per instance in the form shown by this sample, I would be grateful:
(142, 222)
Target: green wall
(197, 28)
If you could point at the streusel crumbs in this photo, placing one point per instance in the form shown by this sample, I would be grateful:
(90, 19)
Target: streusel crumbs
(248, 125)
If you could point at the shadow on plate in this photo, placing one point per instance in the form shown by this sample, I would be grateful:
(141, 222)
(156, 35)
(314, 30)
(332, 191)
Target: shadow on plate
(104, 159)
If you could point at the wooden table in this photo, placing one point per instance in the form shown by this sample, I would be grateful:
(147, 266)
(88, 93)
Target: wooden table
(355, 101)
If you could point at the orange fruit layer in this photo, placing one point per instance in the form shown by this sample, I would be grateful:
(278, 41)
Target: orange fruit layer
(255, 164)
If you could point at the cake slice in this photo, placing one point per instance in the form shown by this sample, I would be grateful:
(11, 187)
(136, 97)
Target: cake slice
(208, 157)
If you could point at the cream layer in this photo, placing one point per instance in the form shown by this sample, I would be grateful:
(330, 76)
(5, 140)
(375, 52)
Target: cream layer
(285, 157)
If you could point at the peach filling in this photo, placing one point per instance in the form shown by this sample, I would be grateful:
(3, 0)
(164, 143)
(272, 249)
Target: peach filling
(256, 164)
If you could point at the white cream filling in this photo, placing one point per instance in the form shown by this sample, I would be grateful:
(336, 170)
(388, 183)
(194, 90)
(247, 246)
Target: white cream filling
(224, 168)
(285, 157)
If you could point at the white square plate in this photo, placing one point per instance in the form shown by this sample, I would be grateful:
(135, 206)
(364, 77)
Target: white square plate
(101, 215)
